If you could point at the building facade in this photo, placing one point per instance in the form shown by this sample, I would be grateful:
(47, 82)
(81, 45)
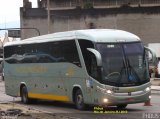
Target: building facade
(140, 17)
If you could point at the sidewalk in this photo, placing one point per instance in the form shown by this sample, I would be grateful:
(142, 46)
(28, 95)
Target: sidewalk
(155, 87)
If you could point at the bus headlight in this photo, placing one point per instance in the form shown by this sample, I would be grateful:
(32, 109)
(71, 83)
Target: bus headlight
(147, 89)
(103, 90)
(105, 100)
(109, 91)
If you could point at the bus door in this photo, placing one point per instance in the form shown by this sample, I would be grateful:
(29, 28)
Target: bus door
(91, 69)
(89, 60)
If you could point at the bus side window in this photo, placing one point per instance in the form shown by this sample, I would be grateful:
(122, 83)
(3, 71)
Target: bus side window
(89, 58)
(13, 54)
(93, 66)
(69, 52)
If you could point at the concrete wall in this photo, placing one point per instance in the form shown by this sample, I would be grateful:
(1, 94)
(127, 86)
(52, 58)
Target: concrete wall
(144, 22)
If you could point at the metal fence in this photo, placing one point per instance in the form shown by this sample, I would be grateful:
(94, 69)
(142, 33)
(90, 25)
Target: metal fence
(104, 3)
(119, 3)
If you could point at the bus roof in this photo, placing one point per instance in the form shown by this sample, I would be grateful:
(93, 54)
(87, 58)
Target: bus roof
(95, 35)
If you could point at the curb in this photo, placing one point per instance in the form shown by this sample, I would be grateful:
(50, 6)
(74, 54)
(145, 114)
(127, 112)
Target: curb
(155, 92)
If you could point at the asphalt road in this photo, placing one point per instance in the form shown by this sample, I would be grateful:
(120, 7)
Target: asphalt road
(133, 111)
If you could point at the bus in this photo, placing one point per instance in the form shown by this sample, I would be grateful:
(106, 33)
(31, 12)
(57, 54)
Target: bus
(105, 67)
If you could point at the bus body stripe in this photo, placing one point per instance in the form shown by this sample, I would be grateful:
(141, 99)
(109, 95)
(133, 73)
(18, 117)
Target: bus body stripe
(48, 97)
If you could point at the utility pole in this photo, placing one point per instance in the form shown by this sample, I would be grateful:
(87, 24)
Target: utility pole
(48, 14)
(115, 19)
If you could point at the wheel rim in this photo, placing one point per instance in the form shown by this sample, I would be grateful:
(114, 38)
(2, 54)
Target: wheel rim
(24, 96)
(79, 100)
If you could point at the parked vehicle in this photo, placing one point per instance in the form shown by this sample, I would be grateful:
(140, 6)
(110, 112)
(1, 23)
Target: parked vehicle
(156, 69)
(1, 65)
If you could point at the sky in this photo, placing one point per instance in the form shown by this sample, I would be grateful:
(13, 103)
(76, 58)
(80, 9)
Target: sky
(9, 12)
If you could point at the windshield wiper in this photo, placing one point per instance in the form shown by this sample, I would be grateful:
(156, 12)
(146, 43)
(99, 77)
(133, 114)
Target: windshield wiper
(129, 70)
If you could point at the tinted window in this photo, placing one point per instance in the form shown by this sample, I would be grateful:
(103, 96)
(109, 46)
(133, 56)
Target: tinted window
(89, 58)
(60, 51)
(69, 52)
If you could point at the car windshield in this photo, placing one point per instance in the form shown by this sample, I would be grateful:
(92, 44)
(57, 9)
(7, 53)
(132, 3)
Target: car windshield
(123, 64)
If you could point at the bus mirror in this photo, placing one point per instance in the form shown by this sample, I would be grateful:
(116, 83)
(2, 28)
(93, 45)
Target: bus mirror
(151, 55)
(97, 55)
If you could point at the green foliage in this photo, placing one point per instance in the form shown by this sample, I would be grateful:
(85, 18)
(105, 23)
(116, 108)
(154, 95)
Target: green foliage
(88, 5)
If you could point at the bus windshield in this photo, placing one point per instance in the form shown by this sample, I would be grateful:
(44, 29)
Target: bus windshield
(123, 64)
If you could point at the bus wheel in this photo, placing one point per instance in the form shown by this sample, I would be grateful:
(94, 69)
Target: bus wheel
(79, 101)
(24, 95)
(122, 106)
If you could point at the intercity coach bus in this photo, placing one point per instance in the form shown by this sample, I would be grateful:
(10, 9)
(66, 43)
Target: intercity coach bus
(86, 67)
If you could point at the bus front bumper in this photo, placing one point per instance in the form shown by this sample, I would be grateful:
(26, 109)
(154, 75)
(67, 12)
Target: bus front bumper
(115, 100)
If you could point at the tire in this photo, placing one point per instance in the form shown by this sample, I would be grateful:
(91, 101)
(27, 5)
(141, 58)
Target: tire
(122, 106)
(24, 95)
(79, 101)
